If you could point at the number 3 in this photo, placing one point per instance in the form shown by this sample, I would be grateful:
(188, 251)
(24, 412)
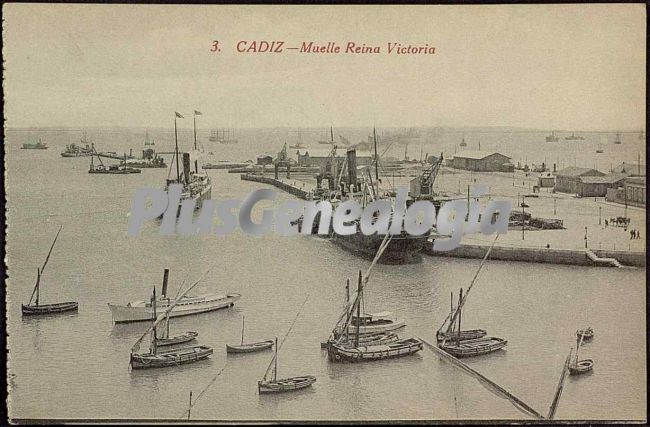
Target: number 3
(215, 46)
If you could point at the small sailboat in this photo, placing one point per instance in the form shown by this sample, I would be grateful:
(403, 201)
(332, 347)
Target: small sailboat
(463, 143)
(600, 149)
(578, 367)
(248, 347)
(473, 346)
(469, 334)
(166, 340)
(344, 349)
(617, 139)
(274, 385)
(163, 358)
(34, 307)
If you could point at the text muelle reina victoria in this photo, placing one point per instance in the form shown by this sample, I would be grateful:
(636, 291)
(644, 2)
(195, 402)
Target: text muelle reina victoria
(350, 47)
(378, 217)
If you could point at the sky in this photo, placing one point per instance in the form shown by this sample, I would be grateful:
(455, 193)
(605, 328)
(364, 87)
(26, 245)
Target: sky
(534, 66)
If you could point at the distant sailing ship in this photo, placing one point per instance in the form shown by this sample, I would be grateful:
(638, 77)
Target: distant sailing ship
(223, 136)
(552, 137)
(324, 140)
(146, 139)
(617, 139)
(35, 145)
(299, 144)
(34, 307)
(463, 143)
(573, 137)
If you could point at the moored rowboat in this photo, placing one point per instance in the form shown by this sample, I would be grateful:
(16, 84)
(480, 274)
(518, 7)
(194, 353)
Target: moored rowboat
(286, 384)
(170, 358)
(250, 347)
(406, 347)
(470, 334)
(581, 367)
(61, 307)
(375, 323)
(475, 347)
(178, 339)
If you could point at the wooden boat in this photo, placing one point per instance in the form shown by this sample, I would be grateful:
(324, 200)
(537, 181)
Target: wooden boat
(375, 323)
(137, 311)
(452, 342)
(34, 307)
(286, 384)
(470, 334)
(178, 339)
(587, 334)
(166, 340)
(171, 357)
(475, 347)
(406, 347)
(365, 340)
(273, 384)
(249, 347)
(578, 367)
(581, 367)
(352, 350)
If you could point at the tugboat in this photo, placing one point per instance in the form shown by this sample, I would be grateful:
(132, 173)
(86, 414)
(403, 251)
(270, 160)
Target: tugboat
(197, 185)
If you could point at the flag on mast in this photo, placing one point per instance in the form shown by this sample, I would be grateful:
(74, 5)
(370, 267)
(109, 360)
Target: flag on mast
(179, 115)
(197, 113)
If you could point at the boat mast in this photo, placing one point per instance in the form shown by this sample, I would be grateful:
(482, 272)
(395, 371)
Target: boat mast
(37, 287)
(196, 162)
(275, 368)
(360, 295)
(178, 171)
(332, 135)
(154, 339)
(242, 329)
(459, 315)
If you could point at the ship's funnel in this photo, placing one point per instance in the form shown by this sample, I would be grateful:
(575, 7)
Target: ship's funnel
(165, 280)
(352, 166)
(186, 167)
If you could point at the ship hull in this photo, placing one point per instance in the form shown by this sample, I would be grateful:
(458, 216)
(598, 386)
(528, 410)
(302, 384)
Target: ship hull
(44, 309)
(128, 314)
(402, 249)
(177, 357)
(402, 348)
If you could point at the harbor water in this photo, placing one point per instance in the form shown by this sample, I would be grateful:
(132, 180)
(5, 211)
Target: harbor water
(76, 366)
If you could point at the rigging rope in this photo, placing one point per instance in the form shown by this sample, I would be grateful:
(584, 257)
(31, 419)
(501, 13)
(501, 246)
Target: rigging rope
(497, 389)
(203, 391)
(285, 337)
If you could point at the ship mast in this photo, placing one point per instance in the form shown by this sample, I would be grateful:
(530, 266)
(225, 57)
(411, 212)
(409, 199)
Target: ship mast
(196, 162)
(178, 171)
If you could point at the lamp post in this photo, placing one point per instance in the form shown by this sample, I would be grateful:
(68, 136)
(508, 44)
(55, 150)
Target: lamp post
(523, 218)
(600, 219)
(554, 209)
(585, 237)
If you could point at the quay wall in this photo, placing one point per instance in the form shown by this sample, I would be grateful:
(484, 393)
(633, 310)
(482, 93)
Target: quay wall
(541, 255)
(301, 194)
